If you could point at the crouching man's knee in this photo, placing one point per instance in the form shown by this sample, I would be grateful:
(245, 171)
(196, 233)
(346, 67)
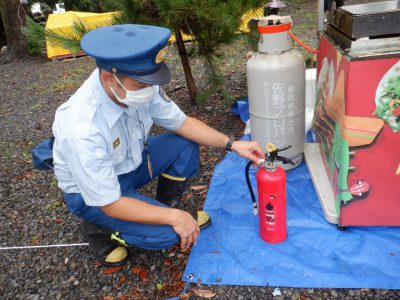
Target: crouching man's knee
(157, 238)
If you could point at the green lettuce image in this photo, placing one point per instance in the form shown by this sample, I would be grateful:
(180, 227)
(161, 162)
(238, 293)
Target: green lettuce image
(388, 102)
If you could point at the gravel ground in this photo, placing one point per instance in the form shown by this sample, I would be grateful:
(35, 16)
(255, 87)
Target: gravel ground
(32, 211)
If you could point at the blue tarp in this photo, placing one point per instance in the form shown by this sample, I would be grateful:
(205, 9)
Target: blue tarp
(315, 254)
(241, 108)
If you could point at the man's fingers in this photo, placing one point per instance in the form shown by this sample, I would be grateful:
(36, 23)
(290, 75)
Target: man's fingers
(253, 158)
(260, 153)
(189, 241)
(183, 243)
(257, 149)
(196, 235)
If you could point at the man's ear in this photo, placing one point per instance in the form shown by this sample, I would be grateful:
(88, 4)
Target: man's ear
(106, 76)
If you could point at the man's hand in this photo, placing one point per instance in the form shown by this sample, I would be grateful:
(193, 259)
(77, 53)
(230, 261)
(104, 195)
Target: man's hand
(248, 149)
(135, 210)
(186, 227)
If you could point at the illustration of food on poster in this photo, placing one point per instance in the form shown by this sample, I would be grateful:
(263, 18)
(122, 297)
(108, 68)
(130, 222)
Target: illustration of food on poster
(357, 124)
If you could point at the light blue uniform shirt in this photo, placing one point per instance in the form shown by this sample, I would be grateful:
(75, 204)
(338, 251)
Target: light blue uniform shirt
(94, 144)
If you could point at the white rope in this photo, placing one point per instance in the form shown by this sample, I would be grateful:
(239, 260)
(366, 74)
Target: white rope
(19, 17)
(44, 246)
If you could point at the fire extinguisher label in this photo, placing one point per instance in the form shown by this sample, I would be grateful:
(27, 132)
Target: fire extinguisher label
(269, 214)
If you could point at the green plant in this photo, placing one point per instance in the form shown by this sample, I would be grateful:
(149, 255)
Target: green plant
(252, 36)
(112, 5)
(210, 22)
(26, 155)
(66, 40)
(202, 97)
(34, 36)
(54, 183)
(55, 204)
(37, 106)
(79, 70)
(65, 84)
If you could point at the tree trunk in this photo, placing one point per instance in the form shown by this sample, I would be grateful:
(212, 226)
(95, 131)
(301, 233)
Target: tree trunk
(186, 66)
(13, 16)
(2, 34)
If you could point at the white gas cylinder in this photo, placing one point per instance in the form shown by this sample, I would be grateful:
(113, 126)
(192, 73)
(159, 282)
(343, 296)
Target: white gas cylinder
(276, 89)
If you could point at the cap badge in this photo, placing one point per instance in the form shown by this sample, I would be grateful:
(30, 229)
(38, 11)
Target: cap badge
(160, 55)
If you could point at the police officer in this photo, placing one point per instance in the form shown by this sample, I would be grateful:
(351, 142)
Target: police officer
(103, 152)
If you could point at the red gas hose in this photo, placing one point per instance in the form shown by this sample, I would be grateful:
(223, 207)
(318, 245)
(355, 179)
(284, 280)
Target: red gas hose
(302, 44)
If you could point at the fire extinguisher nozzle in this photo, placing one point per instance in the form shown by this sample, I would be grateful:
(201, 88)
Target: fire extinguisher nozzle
(255, 210)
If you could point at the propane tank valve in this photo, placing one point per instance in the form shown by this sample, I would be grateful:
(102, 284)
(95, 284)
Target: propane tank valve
(272, 155)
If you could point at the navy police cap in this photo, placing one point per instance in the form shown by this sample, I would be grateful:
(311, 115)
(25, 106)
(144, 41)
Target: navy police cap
(133, 50)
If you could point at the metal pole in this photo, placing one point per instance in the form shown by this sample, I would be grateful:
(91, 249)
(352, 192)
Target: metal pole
(320, 14)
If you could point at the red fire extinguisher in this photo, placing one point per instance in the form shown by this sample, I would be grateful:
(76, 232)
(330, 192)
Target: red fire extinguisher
(271, 186)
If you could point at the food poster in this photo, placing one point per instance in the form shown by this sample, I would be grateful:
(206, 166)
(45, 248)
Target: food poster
(357, 124)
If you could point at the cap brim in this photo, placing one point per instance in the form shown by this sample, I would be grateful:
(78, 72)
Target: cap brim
(162, 76)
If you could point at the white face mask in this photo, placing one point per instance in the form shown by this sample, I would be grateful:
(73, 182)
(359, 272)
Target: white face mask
(135, 98)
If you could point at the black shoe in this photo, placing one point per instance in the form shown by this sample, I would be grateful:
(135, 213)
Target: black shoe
(170, 189)
(104, 245)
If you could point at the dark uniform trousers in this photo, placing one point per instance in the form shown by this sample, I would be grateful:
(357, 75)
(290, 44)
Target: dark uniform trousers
(169, 154)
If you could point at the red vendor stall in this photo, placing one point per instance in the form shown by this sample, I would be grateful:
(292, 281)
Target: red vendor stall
(355, 164)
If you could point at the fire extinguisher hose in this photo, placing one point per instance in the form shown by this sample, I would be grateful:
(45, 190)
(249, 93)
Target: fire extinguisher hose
(253, 197)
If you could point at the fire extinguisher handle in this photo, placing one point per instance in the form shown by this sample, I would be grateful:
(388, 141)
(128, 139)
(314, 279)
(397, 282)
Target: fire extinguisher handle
(253, 198)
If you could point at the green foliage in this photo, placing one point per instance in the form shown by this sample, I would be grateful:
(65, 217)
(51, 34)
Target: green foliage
(69, 41)
(112, 5)
(56, 203)
(85, 5)
(34, 36)
(141, 12)
(216, 22)
(211, 22)
(202, 97)
(253, 36)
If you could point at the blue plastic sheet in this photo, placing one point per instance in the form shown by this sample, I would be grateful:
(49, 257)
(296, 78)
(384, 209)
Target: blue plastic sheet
(315, 254)
(241, 108)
